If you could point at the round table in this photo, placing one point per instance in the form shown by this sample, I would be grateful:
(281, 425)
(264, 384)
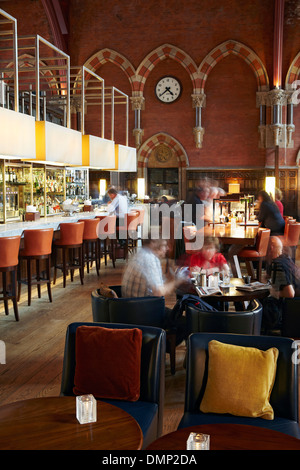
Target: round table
(50, 423)
(229, 437)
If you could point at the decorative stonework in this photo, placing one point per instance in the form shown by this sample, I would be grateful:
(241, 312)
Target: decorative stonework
(138, 134)
(277, 97)
(137, 102)
(199, 100)
(198, 134)
(163, 153)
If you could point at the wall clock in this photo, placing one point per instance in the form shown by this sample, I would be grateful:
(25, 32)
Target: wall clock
(168, 89)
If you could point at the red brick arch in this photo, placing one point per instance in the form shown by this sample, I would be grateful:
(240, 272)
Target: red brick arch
(163, 52)
(240, 50)
(162, 138)
(293, 72)
(109, 55)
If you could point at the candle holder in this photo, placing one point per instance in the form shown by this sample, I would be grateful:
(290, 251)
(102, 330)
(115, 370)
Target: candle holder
(86, 409)
(198, 441)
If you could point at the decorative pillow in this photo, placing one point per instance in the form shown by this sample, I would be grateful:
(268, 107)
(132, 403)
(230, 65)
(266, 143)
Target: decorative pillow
(240, 380)
(108, 362)
(107, 292)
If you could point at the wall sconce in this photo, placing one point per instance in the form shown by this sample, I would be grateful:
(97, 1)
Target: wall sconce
(233, 188)
(102, 187)
(141, 188)
(270, 185)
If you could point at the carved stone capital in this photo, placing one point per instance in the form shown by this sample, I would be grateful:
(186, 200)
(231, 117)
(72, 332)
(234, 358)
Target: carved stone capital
(290, 128)
(198, 134)
(75, 105)
(138, 134)
(277, 97)
(199, 100)
(137, 102)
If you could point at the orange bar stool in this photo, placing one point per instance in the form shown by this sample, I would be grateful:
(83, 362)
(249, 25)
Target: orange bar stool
(37, 246)
(70, 241)
(291, 238)
(106, 231)
(91, 243)
(9, 260)
(258, 253)
(133, 219)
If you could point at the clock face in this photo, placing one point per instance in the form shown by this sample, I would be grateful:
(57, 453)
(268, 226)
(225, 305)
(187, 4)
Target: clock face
(168, 89)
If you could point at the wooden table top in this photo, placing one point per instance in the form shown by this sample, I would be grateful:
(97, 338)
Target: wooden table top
(50, 423)
(240, 235)
(229, 437)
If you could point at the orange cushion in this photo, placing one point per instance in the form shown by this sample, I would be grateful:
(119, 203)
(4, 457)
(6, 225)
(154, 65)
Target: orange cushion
(248, 253)
(108, 362)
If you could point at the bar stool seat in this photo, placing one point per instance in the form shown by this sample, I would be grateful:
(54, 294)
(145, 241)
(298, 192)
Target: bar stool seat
(70, 241)
(9, 251)
(37, 246)
(91, 243)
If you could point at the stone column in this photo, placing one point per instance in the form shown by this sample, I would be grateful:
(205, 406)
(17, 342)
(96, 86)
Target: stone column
(199, 102)
(277, 99)
(261, 103)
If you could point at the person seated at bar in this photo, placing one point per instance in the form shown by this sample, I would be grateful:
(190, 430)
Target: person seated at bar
(283, 275)
(143, 277)
(209, 258)
(269, 215)
(199, 196)
(278, 199)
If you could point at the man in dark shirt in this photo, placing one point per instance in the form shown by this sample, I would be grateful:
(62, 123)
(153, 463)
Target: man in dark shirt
(282, 274)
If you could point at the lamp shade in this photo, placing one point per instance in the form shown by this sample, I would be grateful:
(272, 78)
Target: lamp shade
(58, 144)
(17, 135)
(125, 158)
(141, 188)
(98, 152)
(233, 188)
(270, 185)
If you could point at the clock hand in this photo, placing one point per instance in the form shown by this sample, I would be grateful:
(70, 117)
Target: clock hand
(168, 89)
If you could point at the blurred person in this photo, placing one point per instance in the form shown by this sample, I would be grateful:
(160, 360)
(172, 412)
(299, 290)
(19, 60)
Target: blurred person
(209, 258)
(278, 199)
(144, 277)
(284, 279)
(269, 215)
(199, 197)
(118, 205)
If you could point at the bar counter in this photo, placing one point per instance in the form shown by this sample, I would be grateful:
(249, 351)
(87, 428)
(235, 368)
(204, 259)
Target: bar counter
(16, 228)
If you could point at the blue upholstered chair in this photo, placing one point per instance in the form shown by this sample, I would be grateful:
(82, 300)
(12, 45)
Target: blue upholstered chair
(148, 311)
(247, 322)
(148, 410)
(284, 396)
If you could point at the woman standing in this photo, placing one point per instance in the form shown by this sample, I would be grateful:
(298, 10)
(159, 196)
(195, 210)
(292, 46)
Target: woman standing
(278, 199)
(269, 215)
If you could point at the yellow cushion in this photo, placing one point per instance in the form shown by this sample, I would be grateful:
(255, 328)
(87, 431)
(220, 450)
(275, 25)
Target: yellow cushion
(240, 380)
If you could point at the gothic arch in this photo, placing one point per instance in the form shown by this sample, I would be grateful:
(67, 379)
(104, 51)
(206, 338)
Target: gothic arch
(162, 138)
(163, 52)
(293, 72)
(240, 50)
(109, 55)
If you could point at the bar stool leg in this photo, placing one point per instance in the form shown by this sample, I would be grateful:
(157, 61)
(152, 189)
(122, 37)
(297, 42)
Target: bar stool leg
(64, 266)
(19, 281)
(5, 293)
(14, 293)
(38, 278)
(29, 281)
(81, 266)
(54, 263)
(97, 257)
(48, 271)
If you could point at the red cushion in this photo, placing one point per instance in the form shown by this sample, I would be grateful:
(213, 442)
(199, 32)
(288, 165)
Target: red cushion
(108, 362)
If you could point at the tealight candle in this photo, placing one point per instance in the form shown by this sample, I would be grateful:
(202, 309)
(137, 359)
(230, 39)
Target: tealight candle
(86, 409)
(198, 441)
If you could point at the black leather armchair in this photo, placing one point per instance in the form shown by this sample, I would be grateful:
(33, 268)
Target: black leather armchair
(148, 311)
(247, 322)
(291, 318)
(284, 396)
(148, 410)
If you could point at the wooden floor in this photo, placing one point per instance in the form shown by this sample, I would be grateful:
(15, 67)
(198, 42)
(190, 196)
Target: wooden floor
(35, 344)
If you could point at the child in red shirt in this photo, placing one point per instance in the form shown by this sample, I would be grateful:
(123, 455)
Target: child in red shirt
(209, 258)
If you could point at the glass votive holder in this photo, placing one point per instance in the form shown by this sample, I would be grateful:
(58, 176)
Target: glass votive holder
(198, 441)
(86, 409)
